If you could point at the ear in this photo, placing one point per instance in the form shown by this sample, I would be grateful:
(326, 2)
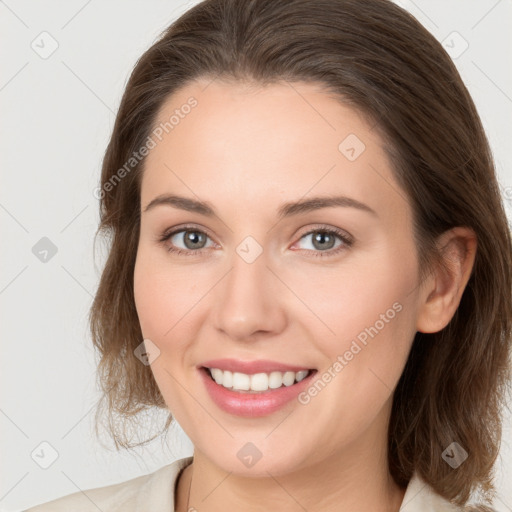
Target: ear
(442, 290)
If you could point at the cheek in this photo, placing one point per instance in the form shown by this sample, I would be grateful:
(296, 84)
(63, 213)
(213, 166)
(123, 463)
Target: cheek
(163, 293)
(168, 300)
(162, 298)
(356, 298)
(370, 318)
(150, 297)
(356, 384)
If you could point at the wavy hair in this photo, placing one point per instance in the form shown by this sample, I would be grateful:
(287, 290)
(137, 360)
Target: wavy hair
(377, 58)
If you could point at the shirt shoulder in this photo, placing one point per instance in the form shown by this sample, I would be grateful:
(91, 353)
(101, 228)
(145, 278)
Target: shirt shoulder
(420, 497)
(154, 492)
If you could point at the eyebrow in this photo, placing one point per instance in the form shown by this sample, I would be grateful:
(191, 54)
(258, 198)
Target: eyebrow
(285, 210)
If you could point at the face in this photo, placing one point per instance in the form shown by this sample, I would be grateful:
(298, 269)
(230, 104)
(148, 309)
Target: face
(328, 287)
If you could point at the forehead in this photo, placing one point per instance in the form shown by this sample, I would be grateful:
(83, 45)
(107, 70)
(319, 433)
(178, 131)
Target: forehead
(249, 144)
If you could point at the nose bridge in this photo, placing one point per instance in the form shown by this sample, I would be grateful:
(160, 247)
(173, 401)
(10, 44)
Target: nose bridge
(247, 301)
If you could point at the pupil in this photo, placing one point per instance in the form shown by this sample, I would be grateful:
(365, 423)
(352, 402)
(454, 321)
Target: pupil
(194, 238)
(320, 237)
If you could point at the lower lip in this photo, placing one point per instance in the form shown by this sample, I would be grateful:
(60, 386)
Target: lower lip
(252, 405)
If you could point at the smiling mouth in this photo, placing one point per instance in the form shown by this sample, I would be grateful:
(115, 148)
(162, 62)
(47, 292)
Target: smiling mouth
(257, 382)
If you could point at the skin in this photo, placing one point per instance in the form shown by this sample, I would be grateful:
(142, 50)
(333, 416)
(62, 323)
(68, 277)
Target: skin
(246, 150)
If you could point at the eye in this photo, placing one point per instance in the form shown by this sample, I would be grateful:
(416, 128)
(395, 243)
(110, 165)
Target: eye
(323, 240)
(192, 238)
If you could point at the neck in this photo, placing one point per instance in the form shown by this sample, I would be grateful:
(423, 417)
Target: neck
(354, 480)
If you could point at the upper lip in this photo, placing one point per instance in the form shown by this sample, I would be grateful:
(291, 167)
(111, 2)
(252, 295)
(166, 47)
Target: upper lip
(251, 367)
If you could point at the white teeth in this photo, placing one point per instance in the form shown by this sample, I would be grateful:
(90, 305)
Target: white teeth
(259, 382)
(275, 380)
(227, 377)
(216, 374)
(288, 378)
(241, 381)
(256, 382)
(301, 375)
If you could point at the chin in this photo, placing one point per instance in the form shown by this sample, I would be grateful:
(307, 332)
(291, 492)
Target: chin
(250, 461)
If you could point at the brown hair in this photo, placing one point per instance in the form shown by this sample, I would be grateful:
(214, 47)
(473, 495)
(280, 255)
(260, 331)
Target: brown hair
(379, 59)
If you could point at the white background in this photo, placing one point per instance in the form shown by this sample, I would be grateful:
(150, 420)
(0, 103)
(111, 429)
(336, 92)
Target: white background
(57, 115)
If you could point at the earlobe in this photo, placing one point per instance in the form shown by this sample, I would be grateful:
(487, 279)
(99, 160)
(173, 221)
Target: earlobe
(442, 291)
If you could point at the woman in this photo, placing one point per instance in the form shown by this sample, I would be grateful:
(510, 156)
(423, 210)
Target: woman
(365, 375)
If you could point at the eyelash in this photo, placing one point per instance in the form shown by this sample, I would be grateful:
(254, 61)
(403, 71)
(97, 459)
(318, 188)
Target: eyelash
(347, 241)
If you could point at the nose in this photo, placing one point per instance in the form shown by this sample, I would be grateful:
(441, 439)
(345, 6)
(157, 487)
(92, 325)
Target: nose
(249, 300)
